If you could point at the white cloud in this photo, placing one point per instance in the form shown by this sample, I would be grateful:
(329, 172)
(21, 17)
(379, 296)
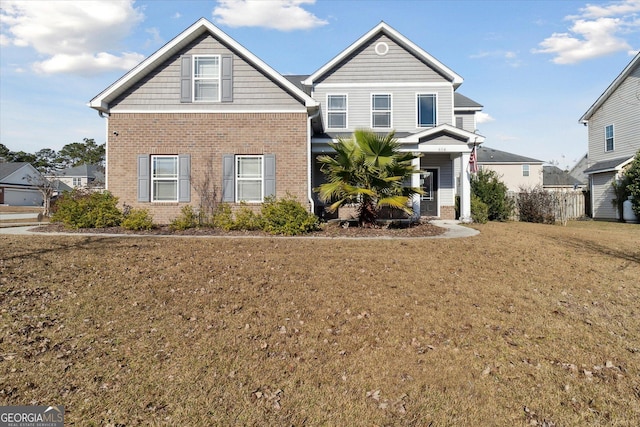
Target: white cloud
(509, 57)
(285, 15)
(482, 117)
(74, 36)
(4, 40)
(596, 31)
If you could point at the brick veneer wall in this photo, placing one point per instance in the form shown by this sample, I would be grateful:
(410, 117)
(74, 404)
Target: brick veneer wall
(206, 137)
(447, 212)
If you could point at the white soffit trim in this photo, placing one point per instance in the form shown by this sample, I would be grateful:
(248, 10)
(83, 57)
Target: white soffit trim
(388, 30)
(470, 136)
(101, 101)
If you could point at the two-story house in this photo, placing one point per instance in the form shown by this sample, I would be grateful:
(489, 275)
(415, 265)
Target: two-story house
(515, 171)
(614, 137)
(203, 105)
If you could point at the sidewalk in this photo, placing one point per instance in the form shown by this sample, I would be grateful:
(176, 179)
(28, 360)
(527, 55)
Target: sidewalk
(454, 231)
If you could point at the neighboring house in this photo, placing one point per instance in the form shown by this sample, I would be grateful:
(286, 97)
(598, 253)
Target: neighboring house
(83, 176)
(577, 171)
(204, 106)
(614, 137)
(555, 179)
(17, 185)
(515, 171)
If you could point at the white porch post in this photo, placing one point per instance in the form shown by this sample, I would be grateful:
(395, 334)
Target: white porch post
(415, 182)
(465, 188)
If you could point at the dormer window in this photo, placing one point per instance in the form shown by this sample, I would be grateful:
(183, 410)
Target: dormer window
(206, 78)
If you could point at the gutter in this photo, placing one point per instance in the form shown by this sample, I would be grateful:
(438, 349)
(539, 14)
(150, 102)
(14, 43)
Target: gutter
(309, 161)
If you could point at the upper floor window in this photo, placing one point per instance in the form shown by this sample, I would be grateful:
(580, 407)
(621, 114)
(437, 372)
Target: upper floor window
(249, 178)
(525, 170)
(206, 78)
(164, 178)
(77, 182)
(608, 138)
(426, 110)
(381, 111)
(337, 111)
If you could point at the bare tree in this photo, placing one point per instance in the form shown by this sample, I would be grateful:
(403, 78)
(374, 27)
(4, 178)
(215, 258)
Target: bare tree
(208, 193)
(47, 188)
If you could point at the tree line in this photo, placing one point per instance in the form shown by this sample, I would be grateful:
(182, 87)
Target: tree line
(50, 161)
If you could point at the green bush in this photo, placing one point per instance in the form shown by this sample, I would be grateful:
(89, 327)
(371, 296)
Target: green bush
(246, 219)
(632, 175)
(223, 217)
(137, 219)
(84, 209)
(479, 210)
(188, 218)
(287, 216)
(493, 192)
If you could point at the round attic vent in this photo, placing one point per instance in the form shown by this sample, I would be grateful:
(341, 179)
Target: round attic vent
(382, 48)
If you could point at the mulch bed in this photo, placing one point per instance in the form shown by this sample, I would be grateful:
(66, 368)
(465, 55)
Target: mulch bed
(328, 230)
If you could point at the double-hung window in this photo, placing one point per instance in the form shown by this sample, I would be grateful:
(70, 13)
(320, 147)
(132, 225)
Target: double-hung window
(426, 110)
(608, 138)
(249, 178)
(525, 170)
(337, 111)
(381, 110)
(206, 78)
(77, 182)
(164, 178)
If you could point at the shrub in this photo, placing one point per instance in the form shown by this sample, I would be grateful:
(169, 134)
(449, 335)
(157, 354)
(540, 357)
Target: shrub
(246, 219)
(223, 217)
(493, 192)
(84, 209)
(287, 216)
(137, 219)
(188, 218)
(537, 205)
(632, 174)
(479, 210)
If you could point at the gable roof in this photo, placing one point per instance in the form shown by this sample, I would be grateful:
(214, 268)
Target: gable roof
(612, 87)
(461, 102)
(554, 176)
(491, 155)
(90, 171)
(384, 28)
(8, 169)
(102, 100)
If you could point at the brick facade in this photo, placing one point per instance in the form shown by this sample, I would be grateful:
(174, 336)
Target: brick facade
(206, 137)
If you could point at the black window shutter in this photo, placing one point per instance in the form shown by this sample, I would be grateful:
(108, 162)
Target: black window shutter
(228, 178)
(227, 78)
(144, 183)
(185, 78)
(184, 178)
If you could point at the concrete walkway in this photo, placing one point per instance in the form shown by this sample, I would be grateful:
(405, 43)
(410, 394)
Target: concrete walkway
(453, 230)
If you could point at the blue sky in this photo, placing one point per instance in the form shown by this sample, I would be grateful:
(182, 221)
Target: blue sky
(536, 66)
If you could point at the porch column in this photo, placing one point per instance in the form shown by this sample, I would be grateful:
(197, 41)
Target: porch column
(415, 182)
(465, 188)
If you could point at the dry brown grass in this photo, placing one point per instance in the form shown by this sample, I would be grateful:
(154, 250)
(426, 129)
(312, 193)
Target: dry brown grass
(522, 325)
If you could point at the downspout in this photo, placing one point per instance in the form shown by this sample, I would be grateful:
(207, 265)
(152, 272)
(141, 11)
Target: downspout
(106, 116)
(310, 162)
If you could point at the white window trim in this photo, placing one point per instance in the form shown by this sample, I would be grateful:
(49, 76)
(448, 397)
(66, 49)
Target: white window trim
(613, 139)
(193, 77)
(390, 109)
(346, 110)
(76, 182)
(237, 178)
(154, 179)
(526, 170)
(435, 94)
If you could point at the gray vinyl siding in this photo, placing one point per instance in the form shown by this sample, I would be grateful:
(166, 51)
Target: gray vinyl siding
(446, 190)
(404, 114)
(160, 90)
(622, 110)
(366, 66)
(468, 121)
(602, 195)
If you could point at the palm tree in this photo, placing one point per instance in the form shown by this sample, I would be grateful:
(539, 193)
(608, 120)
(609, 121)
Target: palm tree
(370, 171)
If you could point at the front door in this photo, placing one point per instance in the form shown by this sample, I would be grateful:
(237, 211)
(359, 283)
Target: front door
(429, 200)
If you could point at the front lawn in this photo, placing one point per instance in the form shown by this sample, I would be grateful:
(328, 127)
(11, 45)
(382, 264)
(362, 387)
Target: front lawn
(520, 325)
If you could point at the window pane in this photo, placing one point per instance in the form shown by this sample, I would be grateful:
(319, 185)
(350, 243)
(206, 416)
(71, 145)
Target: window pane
(426, 110)
(165, 167)
(206, 67)
(381, 102)
(381, 120)
(337, 102)
(250, 190)
(206, 90)
(249, 167)
(165, 190)
(337, 120)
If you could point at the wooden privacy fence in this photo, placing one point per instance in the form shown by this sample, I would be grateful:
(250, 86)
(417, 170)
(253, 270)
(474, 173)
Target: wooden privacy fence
(565, 205)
